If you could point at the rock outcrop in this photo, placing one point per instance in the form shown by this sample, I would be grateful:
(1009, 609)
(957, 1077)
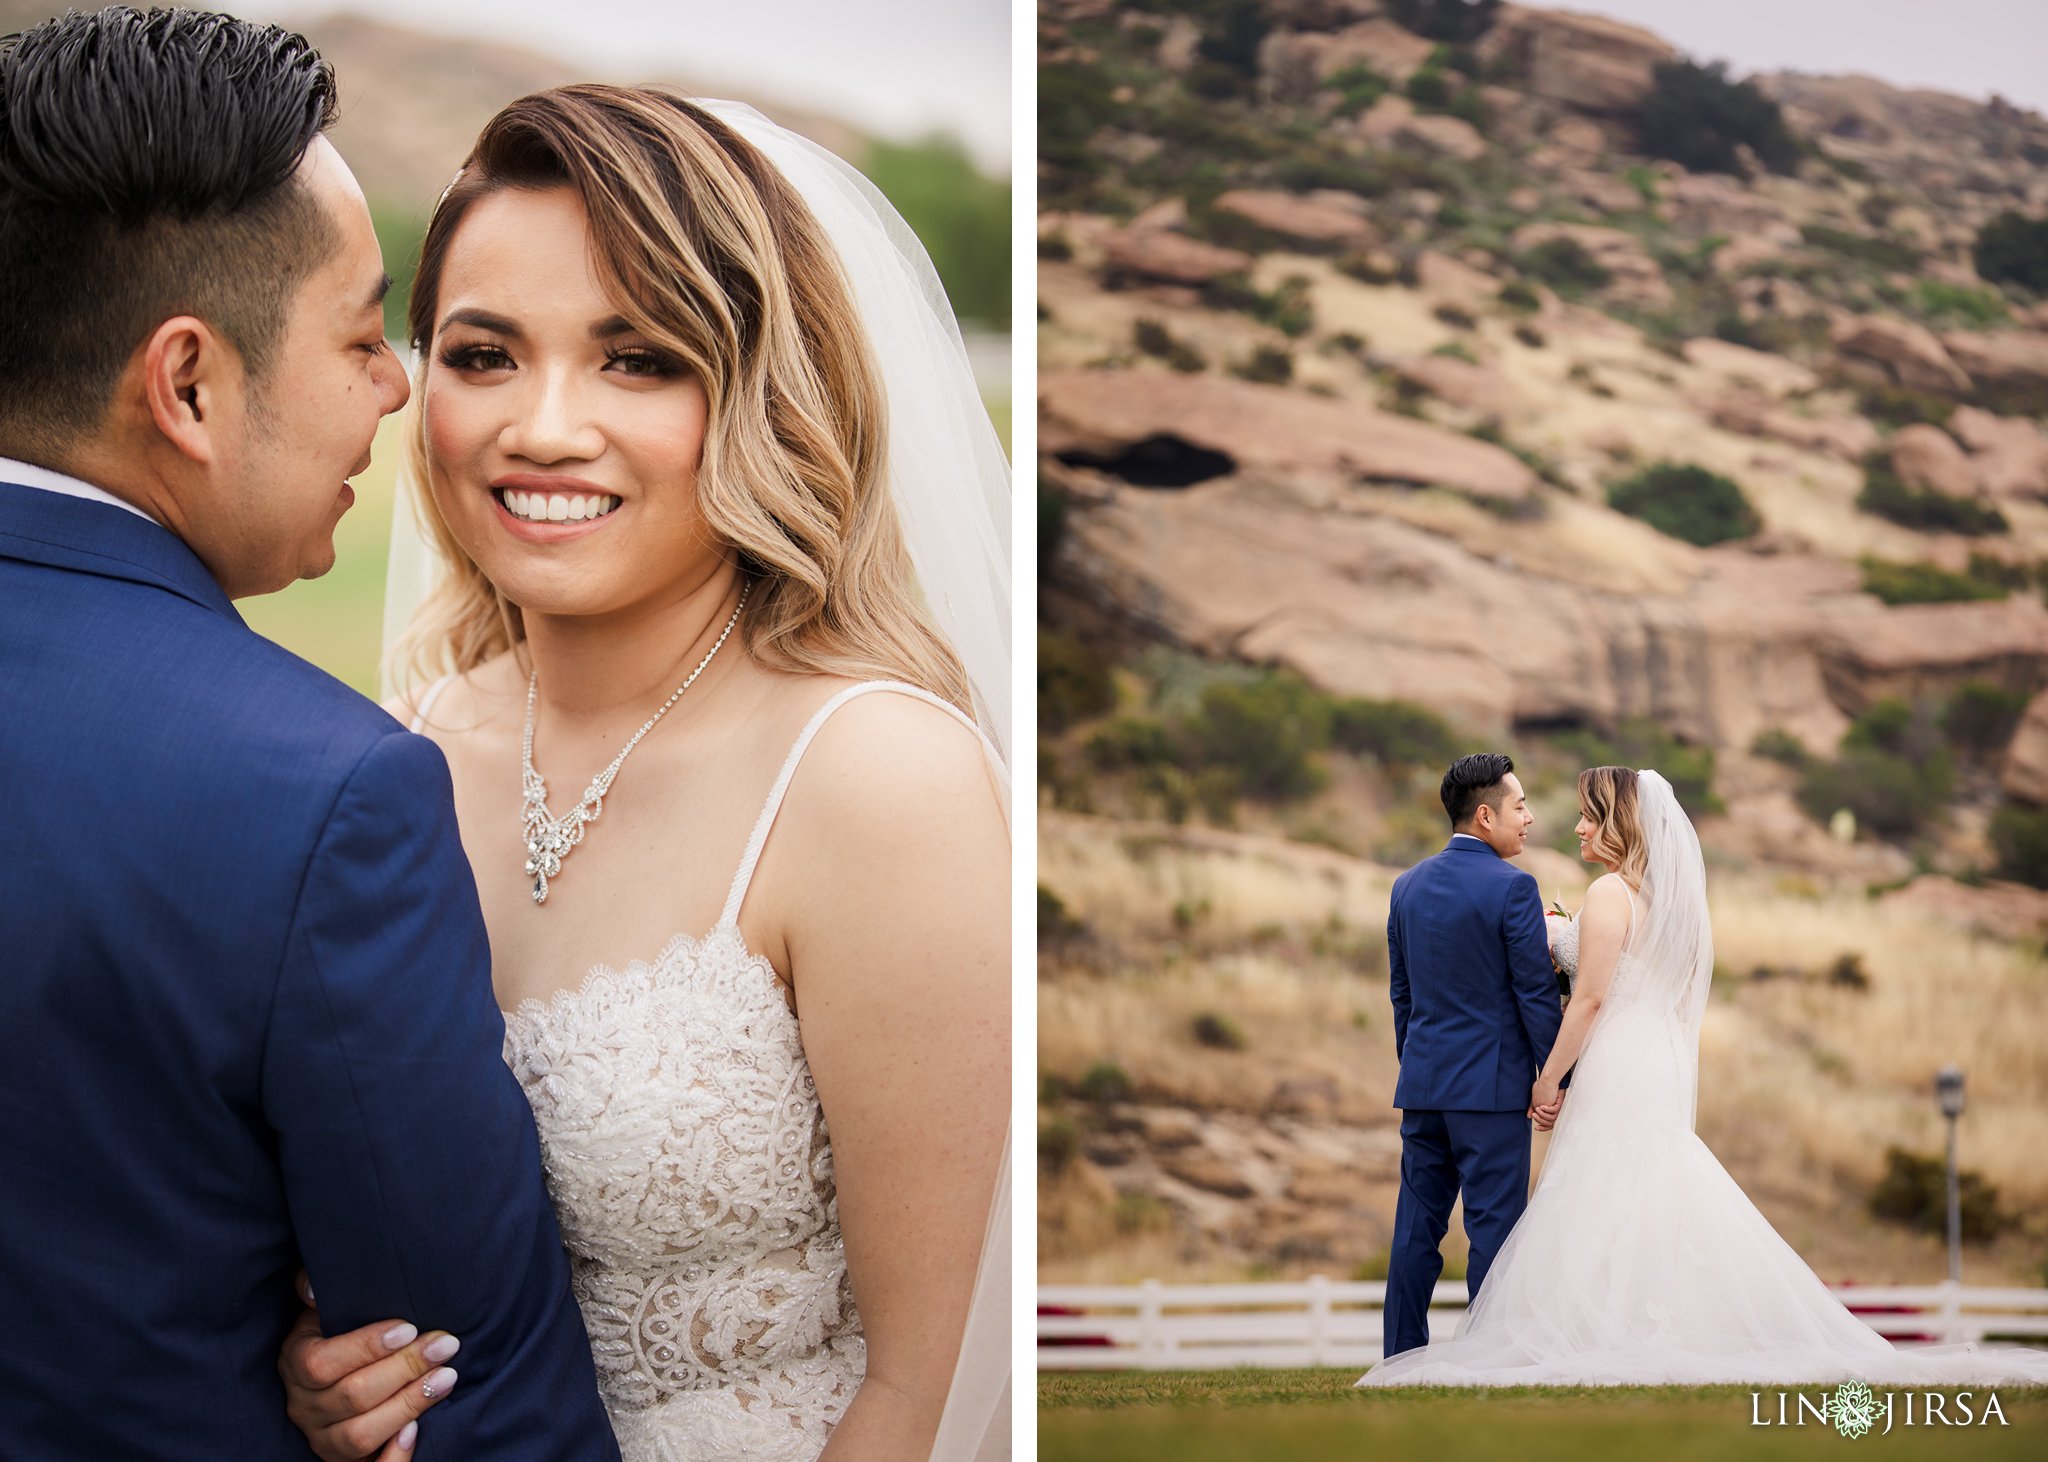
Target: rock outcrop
(1157, 253)
(1916, 359)
(1099, 416)
(1927, 457)
(2001, 357)
(2026, 761)
(1582, 61)
(2010, 453)
(1313, 223)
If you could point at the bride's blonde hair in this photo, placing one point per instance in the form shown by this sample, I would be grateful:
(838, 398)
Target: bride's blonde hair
(709, 253)
(1607, 795)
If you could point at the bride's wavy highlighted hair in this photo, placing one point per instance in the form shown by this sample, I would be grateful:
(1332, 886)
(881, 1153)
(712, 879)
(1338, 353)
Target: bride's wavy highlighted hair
(1607, 795)
(709, 252)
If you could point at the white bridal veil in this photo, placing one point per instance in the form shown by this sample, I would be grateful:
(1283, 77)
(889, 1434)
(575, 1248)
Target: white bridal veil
(1675, 946)
(951, 485)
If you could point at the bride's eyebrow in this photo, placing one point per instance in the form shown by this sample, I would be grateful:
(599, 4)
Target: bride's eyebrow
(482, 320)
(608, 329)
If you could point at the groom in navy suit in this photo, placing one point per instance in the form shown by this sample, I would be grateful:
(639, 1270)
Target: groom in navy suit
(246, 1020)
(1476, 1011)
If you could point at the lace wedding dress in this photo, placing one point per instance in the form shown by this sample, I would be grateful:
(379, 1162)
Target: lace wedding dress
(692, 1177)
(1639, 1261)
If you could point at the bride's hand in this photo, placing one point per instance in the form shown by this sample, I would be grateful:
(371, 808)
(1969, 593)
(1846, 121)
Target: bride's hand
(365, 1390)
(1545, 1101)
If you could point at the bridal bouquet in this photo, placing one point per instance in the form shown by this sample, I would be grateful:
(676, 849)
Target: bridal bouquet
(1564, 948)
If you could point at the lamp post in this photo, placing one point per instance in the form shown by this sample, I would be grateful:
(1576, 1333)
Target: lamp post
(1948, 1090)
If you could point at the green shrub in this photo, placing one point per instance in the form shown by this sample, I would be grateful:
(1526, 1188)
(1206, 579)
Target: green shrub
(1564, 265)
(1696, 116)
(1643, 743)
(1445, 20)
(1923, 583)
(1052, 523)
(1074, 682)
(1075, 102)
(1132, 741)
(1269, 366)
(1218, 1032)
(960, 214)
(1154, 339)
(2019, 835)
(1886, 495)
(1890, 795)
(1979, 307)
(2020, 838)
(1104, 1082)
(2013, 249)
(1231, 33)
(1287, 309)
(1914, 1191)
(1518, 296)
(1397, 733)
(1687, 502)
(1360, 87)
(1884, 253)
(1980, 718)
(1058, 1146)
(1781, 745)
(1886, 725)
(1268, 732)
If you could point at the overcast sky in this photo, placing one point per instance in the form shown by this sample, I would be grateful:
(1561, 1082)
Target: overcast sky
(1971, 47)
(899, 68)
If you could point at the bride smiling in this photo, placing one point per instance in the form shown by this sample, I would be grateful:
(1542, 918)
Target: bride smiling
(715, 535)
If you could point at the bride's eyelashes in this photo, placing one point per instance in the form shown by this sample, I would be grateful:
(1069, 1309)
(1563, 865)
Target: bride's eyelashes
(639, 360)
(480, 357)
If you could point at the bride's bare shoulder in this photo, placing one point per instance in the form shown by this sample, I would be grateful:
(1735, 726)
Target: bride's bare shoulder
(894, 757)
(459, 703)
(1608, 894)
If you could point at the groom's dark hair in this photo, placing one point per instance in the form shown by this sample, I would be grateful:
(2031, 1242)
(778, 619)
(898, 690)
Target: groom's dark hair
(147, 167)
(1468, 782)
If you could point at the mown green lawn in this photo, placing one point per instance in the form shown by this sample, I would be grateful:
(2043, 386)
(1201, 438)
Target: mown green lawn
(1315, 1416)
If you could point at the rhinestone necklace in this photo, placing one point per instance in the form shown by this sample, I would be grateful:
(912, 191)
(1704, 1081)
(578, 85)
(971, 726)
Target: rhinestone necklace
(549, 838)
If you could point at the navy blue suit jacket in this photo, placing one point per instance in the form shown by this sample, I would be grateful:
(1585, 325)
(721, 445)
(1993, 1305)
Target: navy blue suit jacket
(246, 1022)
(1476, 1007)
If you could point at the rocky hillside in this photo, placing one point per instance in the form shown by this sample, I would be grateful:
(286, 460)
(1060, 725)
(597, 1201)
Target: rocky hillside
(1424, 374)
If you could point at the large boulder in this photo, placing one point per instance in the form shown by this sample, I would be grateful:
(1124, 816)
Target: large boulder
(1583, 61)
(1636, 278)
(1461, 383)
(1916, 359)
(1443, 137)
(1161, 254)
(1294, 63)
(1849, 437)
(2026, 759)
(1312, 223)
(1100, 415)
(2009, 452)
(1927, 457)
(2001, 357)
(1761, 370)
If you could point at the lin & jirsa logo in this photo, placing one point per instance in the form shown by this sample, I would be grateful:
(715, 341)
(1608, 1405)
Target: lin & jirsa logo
(1854, 1409)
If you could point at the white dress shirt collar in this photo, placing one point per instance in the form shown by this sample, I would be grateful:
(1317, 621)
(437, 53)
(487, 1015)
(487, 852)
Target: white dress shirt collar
(27, 474)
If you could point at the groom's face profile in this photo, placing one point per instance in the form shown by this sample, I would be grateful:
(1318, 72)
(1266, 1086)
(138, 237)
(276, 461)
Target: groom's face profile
(259, 478)
(1502, 821)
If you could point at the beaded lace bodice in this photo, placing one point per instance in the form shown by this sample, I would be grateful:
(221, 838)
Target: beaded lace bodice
(692, 1177)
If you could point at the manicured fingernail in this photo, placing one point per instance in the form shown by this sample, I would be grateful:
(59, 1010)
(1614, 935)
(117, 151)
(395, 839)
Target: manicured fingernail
(439, 1384)
(440, 1348)
(407, 1435)
(309, 1294)
(401, 1335)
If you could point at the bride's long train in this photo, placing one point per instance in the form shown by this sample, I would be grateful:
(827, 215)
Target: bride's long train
(1641, 1262)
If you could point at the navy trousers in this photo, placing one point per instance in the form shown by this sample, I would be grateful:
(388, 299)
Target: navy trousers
(1484, 1154)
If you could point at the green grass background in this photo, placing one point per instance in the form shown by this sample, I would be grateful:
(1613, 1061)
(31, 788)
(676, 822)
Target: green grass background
(1315, 1416)
(337, 620)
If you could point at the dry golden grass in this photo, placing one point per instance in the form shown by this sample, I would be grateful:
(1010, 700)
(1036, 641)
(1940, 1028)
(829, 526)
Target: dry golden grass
(1804, 1084)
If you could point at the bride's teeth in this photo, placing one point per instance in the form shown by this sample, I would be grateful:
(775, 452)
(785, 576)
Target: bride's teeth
(558, 508)
(537, 507)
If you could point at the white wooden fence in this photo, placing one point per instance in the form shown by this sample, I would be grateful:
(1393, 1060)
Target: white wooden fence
(1322, 1322)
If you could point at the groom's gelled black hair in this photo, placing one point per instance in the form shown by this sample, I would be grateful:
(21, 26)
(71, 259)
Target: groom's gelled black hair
(147, 168)
(1469, 780)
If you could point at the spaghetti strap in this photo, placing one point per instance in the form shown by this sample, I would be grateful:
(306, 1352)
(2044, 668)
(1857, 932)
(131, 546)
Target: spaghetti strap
(419, 715)
(759, 839)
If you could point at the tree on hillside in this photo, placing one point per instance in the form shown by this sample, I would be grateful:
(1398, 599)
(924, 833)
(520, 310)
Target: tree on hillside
(1696, 116)
(1445, 20)
(2013, 248)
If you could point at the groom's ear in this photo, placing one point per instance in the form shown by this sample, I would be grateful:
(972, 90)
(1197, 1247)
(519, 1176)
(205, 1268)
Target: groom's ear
(191, 384)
